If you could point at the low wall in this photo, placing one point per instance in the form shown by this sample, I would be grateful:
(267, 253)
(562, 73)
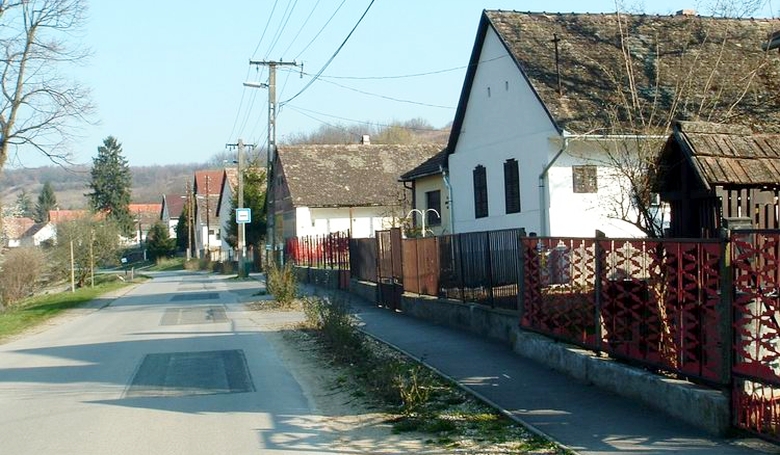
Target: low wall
(702, 407)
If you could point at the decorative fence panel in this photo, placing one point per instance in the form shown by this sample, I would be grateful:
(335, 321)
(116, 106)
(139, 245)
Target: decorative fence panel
(421, 265)
(756, 347)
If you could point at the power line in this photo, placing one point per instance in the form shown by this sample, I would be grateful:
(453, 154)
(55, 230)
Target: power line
(311, 13)
(303, 112)
(405, 76)
(398, 100)
(270, 16)
(330, 60)
(285, 19)
(321, 29)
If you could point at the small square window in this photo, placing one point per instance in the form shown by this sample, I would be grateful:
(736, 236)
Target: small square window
(585, 179)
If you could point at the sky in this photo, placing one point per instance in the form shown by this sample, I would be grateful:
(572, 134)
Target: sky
(167, 76)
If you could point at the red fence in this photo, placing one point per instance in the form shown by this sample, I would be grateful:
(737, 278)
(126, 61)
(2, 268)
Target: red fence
(679, 306)
(321, 251)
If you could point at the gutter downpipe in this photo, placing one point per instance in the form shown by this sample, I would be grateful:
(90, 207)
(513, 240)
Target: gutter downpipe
(543, 213)
(446, 179)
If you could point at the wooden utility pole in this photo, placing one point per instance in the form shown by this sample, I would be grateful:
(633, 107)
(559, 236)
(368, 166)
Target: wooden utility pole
(271, 242)
(241, 234)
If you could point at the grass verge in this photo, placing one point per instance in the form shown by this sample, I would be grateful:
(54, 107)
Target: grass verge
(415, 398)
(35, 310)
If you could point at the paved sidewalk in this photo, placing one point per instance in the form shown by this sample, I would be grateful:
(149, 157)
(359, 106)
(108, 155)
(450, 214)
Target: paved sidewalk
(582, 417)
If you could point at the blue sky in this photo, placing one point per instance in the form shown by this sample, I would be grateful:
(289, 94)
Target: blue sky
(166, 76)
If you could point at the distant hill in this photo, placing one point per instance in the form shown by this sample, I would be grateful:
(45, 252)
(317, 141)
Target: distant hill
(70, 184)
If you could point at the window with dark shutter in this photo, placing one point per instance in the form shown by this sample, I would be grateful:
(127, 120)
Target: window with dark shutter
(512, 186)
(480, 192)
(433, 201)
(585, 179)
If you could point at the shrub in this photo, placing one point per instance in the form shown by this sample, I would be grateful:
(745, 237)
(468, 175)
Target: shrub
(19, 274)
(282, 283)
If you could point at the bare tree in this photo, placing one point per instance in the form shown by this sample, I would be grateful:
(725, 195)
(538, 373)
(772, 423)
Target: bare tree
(40, 105)
(689, 72)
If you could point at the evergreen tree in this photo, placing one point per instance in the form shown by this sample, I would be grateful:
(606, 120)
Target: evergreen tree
(46, 201)
(159, 243)
(254, 198)
(110, 184)
(24, 204)
(183, 233)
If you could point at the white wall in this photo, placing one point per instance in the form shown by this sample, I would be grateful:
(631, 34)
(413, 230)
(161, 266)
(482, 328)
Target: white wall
(509, 123)
(361, 221)
(433, 183)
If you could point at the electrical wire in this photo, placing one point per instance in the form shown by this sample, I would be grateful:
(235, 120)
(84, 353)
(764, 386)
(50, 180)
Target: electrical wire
(321, 29)
(303, 111)
(285, 19)
(238, 112)
(332, 57)
(270, 16)
(405, 76)
(311, 13)
(398, 100)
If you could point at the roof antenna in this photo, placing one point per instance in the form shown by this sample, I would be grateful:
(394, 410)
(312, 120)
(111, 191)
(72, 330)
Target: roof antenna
(557, 40)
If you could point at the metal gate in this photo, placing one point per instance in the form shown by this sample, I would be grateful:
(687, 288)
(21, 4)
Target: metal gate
(389, 268)
(756, 354)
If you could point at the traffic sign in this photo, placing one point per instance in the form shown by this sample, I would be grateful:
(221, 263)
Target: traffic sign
(243, 216)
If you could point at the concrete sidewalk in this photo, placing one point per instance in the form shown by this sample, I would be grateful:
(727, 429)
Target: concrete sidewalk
(580, 416)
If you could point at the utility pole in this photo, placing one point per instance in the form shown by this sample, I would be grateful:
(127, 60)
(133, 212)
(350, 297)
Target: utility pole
(241, 243)
(272, 111)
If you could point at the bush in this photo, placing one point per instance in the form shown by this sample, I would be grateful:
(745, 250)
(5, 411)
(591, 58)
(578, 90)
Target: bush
(282, 283)
(19, 274)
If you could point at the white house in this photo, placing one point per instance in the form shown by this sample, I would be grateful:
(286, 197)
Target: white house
(431, 195)
(172, 207)
(206, 190)
(321, 189)
(552, 104)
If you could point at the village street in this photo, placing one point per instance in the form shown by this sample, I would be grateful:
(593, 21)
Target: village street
(175, 366)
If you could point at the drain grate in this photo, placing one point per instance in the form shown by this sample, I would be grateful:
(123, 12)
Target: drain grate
(194, 315)
(195, 296)
(180, 374)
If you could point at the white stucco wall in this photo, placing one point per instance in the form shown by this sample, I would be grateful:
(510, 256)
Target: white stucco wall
(508, 122)
(361, 221)
(433, 183)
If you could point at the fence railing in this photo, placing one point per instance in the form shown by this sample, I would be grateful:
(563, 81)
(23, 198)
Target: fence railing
(329, 251)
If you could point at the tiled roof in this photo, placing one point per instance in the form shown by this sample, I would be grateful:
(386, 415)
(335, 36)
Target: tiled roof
(683, 67)
(16, 227)
(726, 155)
(175, 204)
(208, 181)
(349, 175)
(431, 166)
(59, 216)
(231, 175)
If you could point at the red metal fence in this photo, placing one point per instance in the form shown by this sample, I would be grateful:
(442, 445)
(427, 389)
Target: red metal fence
(320, 251)
(755, 257)
(679, 306)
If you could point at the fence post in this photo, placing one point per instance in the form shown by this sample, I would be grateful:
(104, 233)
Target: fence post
(726, 308)
(521, 277)
(489, 264)
(460, 261)
(597, 286)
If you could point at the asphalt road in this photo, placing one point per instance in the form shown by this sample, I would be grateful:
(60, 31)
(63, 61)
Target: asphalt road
(175, 366)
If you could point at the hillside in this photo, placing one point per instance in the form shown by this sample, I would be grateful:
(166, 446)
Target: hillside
(70, 184)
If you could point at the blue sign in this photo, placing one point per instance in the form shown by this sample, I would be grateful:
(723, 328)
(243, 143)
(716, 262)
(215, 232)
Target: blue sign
(243, 216)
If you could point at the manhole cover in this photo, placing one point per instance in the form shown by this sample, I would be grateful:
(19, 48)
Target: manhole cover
(194, 315)
(191, 373)
(195, 296)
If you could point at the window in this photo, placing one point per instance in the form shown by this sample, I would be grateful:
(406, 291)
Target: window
(480, 192)
(512, 186)
(584, 179)
(433, 201)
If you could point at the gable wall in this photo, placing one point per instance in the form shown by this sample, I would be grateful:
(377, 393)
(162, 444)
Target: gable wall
(507, 124)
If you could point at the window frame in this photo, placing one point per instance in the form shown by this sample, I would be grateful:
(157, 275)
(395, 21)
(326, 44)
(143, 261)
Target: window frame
(431, 218)
(585, 179)
(479, 178)
(512, 203)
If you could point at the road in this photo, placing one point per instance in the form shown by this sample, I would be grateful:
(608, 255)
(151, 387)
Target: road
(175, 366)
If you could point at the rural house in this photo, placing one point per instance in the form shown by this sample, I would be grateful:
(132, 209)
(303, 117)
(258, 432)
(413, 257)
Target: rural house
(431, 194)
(321, 189)
(561, 116)
(205, 191)
(710, 172)
(172, 207)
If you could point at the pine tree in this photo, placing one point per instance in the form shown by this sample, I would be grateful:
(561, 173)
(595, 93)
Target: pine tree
(110, 184)
(46, 201)
(159, 244)
(24, 204)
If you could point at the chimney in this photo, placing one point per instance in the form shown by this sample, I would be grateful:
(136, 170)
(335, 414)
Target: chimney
(365, 140)
(686, 12)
